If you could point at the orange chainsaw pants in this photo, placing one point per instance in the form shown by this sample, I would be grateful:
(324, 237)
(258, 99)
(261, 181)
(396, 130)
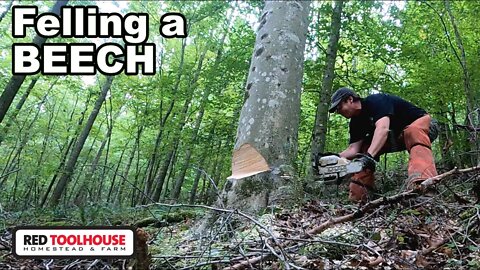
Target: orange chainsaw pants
(421, 165)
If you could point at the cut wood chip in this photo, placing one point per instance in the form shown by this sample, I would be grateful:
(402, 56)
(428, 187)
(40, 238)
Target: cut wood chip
(247, 161)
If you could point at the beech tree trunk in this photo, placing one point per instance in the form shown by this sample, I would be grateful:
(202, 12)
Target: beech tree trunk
(70, 166)
(266, 144)
(321, 117)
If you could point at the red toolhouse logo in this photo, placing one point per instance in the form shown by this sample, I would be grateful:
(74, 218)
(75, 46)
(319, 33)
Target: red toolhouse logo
(98, 242)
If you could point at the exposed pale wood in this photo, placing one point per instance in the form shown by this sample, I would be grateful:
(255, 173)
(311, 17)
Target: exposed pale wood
(247, 161)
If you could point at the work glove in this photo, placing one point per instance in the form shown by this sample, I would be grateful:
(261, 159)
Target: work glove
(368, 162)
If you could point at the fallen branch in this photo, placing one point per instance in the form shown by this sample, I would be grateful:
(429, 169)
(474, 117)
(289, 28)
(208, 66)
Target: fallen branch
(433, 180)
(469, 128)
(362, 211)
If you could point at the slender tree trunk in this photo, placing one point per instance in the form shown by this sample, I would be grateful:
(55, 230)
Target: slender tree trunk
(135, 194)
(321, 117)
(106, 143)
(6, 10)
(70, 166)
(16, 81)
(162, 174)
(119, 194)
(469, 93)
(193, 191)
(26, 136)
(79, 179)
(170, 176)
(205, 158)
(266, 147)
(36, 175)
(91, 176)
(67, 146)
(472, 96)
(179, 181)
(33, 186)
(160, 177)
(215, 192)
(211, 190)
(206, 93)
(163, 120)
(19, 106)
(115, 173)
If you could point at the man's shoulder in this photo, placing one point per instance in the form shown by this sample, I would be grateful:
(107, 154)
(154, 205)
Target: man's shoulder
(378, 96)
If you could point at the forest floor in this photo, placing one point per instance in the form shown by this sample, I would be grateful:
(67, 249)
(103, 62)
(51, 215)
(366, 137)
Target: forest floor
(440, 231)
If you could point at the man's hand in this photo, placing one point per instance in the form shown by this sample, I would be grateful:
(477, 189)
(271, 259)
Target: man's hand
(367, 161)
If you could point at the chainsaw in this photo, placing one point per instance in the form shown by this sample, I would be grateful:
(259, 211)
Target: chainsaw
(332, 169)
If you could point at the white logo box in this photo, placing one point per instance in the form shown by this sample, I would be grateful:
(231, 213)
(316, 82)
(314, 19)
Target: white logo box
(63, 242)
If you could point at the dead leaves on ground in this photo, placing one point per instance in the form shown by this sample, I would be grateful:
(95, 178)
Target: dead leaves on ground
(416, 234)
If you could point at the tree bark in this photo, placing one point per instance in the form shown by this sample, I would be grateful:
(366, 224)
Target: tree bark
(266, 145)
(70, 166)
(321, 117)
(16, 81)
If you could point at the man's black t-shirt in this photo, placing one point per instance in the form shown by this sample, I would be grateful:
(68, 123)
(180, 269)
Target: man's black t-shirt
(401, 112)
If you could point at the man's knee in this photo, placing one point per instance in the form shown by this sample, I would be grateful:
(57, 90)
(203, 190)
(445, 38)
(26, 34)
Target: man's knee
(415, 135)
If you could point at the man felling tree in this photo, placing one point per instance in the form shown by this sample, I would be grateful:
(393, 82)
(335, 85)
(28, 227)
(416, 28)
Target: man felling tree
(383, 123)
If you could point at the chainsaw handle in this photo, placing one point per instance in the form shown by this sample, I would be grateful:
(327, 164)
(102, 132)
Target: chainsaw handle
(317, 156)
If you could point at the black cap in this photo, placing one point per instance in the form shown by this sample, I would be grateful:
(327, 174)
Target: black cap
(340, 95)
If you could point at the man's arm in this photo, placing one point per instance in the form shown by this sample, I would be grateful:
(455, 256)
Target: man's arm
(352, 150)
(379, 136)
